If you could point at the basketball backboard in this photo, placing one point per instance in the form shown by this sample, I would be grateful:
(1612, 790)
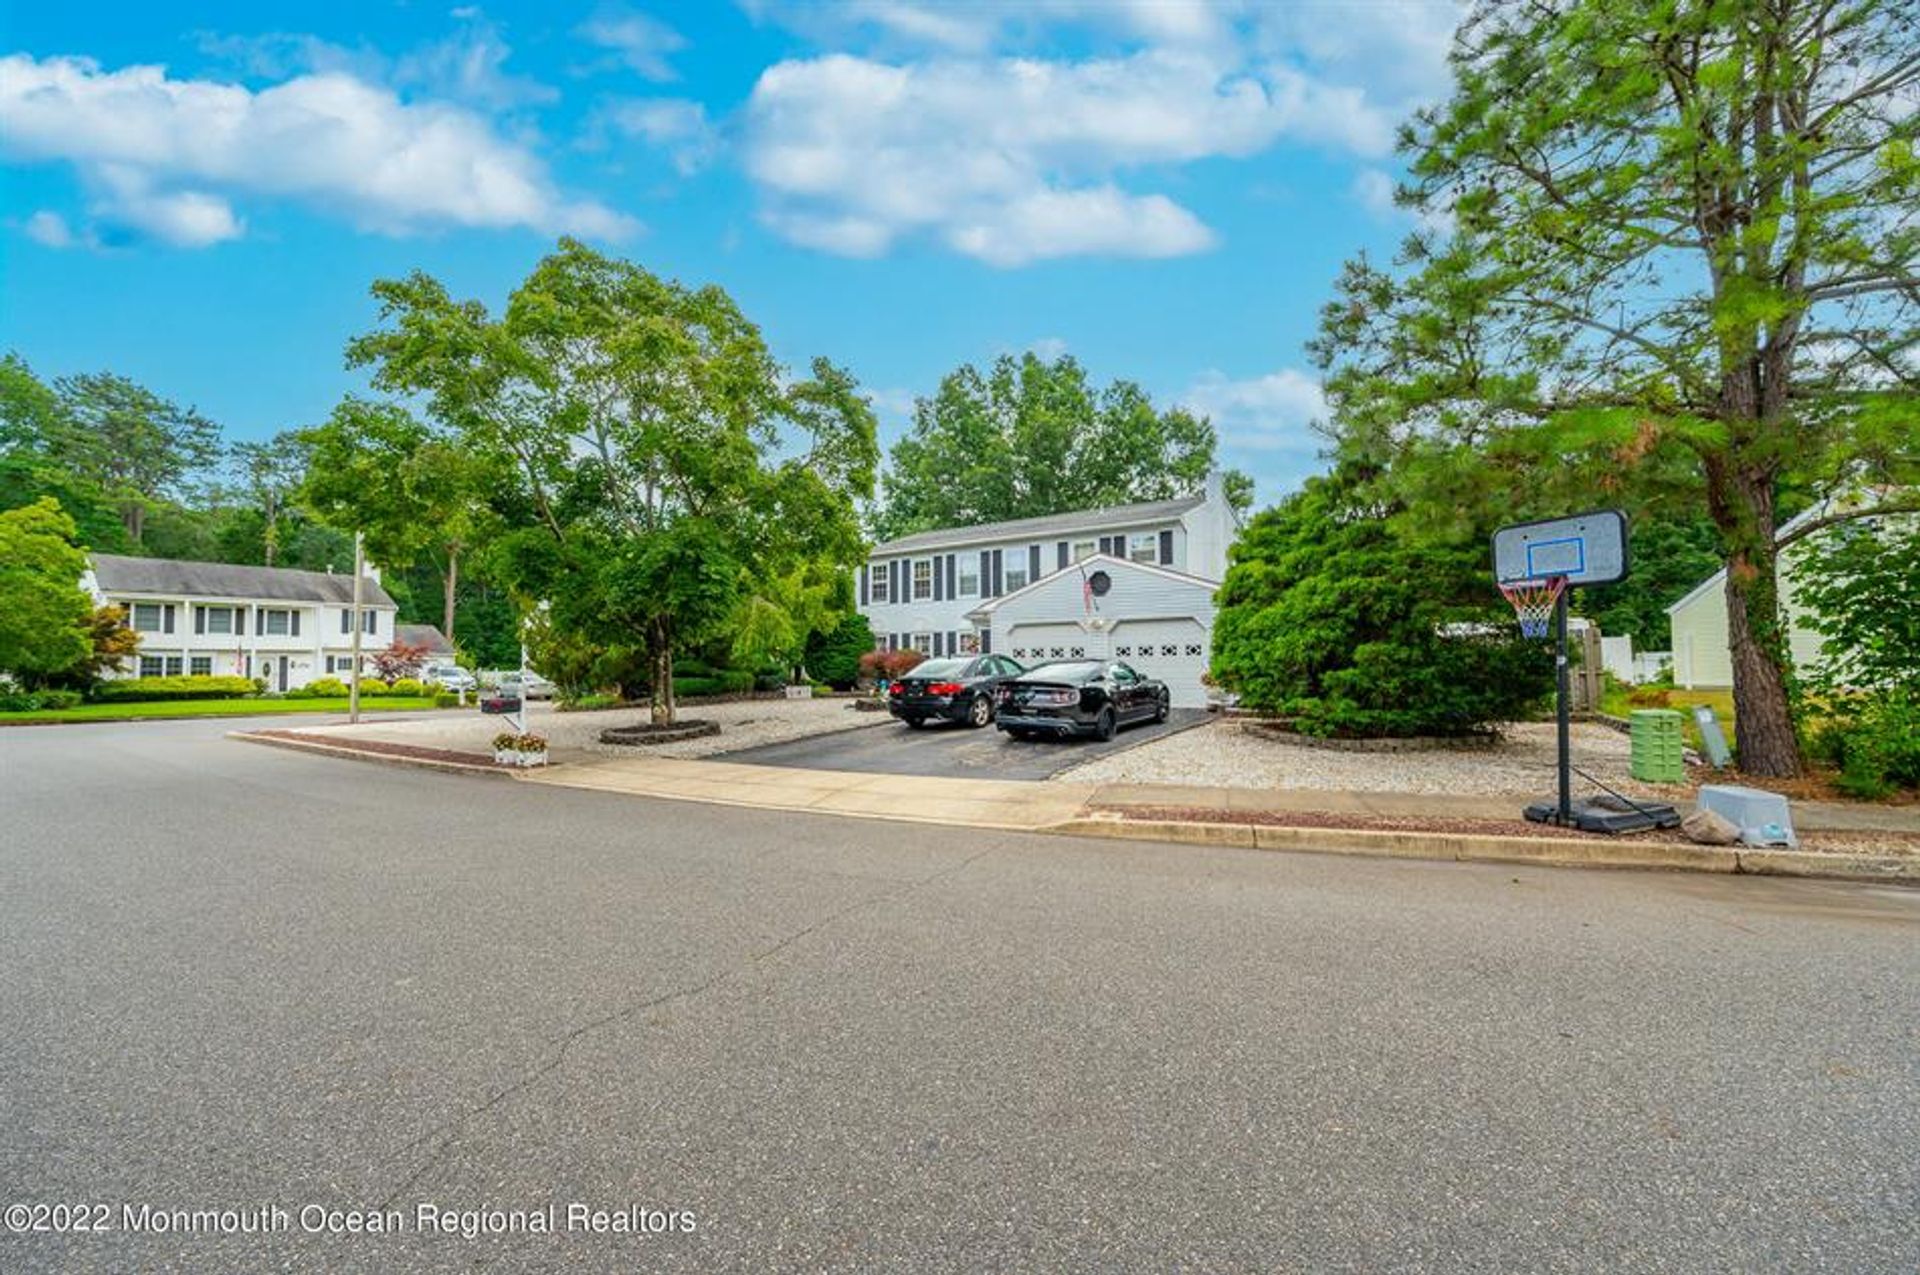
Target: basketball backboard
(1589, 548)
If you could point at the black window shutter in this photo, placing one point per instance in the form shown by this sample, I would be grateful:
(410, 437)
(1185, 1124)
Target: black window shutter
(986, 573)
(199, 619)
(166, 619)
(986, 639)
(259, 621)
(1065, 551)
(864, 586)
(899, 594)
(998, 576)
(953, 642)
(296, 624)
(939, 644)
(239, 620)
(1033, 563)
(346, 620)
(1166, 548)
(953, 583)
(939, 580)
(893, 641)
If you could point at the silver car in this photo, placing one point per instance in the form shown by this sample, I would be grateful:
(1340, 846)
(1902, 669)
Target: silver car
(449, 677)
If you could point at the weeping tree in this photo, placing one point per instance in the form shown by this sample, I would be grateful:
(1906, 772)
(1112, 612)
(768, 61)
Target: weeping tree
(670, 478)
(1665, 250)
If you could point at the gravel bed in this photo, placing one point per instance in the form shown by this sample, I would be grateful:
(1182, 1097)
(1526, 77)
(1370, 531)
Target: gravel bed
(743, 724)
(1224, 754)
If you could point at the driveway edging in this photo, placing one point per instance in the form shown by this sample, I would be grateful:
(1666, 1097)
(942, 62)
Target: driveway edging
(350, 752)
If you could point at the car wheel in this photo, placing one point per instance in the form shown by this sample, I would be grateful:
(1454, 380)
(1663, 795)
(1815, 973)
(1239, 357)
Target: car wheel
(1164, 708)
(1106, 724)
(914, 723)
(980, 712)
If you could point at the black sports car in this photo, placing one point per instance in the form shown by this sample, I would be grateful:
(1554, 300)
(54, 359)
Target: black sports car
(1079, 697)
(959, 690)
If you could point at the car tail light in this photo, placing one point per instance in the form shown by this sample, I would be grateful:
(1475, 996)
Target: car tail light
(1056, 697)
(898, 688)
(945, 688)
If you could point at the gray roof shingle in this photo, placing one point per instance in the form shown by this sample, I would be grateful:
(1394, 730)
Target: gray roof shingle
(1039, 528)
(427, 635)
(116, 573)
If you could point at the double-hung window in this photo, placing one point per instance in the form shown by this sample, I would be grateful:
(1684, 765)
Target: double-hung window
(1014, 572)
(922, 579)
(1144, 546)
(201, 666)
(879, 576)
(968, 584)
(1084, 549)
(277, 623)
(147, 618)
(922, 642)
(217, 619)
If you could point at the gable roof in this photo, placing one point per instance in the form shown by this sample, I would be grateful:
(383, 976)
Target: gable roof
(116, 573)
(1085, 564)
(427, 635)
(1048, 525)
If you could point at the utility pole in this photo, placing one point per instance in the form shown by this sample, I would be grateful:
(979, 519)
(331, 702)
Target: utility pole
(353, 681)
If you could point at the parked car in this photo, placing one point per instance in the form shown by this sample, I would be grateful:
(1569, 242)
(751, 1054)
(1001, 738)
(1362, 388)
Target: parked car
(532, 687)
(500, 700)
(450, 677)
(957, 690)
(1079, 697)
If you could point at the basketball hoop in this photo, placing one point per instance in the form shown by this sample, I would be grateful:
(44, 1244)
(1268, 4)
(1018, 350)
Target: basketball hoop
(1533, 602)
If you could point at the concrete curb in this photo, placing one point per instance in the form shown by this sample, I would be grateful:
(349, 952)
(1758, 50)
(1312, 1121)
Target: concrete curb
(1487, 848)
(362, 754)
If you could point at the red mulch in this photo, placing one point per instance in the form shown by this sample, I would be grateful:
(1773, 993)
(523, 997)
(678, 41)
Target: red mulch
(382, 747)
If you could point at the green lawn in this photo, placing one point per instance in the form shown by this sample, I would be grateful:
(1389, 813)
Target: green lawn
(1683, 702)
(217, 708)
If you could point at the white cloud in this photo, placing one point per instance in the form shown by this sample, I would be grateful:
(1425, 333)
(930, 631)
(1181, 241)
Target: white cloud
(1050, 348)
(640, 42)
(49, 228)
(1273, 412)
(678, 126)
(1373, 190)
(1060, 223)
(470, 66)
(166, 155)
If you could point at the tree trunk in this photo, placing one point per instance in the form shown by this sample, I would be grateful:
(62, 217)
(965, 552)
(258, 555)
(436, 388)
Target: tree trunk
(1741, 502)
(133, 516)
(451, 582)
(271, 532)
(660, 640)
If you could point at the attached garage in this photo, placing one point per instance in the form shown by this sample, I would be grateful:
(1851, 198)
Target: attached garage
(1158, 620)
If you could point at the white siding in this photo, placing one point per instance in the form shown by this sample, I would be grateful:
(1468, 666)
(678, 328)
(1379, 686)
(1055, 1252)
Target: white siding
(1141, 608)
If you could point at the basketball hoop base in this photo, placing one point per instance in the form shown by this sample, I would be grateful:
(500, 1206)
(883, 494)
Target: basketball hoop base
(1608, 815)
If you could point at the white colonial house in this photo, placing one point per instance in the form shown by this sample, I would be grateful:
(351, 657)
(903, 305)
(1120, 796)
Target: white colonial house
(217, 618)
(1130, 582)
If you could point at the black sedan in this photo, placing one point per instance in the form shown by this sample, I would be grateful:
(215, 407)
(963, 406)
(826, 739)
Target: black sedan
(958, 690)
(1080, 697)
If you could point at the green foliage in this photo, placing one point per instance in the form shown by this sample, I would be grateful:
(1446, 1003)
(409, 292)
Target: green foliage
(45, 617)
(1668, 557)
(593, 701)
(327, 687)
(406, 686)
(1874, 743)
(373, 686)
(1656, 268)
(136, 689)
(1332, 619)
(35, 701)
(446, 699)
(1861, 585)
(834, 657)
(1030, 437)
(726, 681)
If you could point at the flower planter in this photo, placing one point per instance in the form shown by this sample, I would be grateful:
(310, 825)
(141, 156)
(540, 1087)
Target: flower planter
(515, 757)
(510, 749)
(800, 692)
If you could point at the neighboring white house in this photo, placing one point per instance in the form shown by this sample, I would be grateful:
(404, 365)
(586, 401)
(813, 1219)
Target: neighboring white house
(1702, 650)
(1131, 582)
(216, 618)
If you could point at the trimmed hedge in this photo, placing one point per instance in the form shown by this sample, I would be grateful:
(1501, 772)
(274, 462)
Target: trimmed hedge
(407, 686)
(726, 681)
(37, 701)
(134, 689)
(326, 688)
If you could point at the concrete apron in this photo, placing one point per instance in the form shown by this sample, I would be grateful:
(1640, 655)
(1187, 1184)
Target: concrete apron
(1070, 809)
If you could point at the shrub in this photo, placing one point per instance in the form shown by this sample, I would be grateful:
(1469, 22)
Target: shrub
(694, 687)
(1333, 620)
(373, 686)
(37, 701)
(889, 665)
(446, 699)
(407, 686)
(821, 690)
(137, 689)
(327, 688)
(587, 703)
(1874, 742)
(771, 678)
(835, 657)
(302, 692)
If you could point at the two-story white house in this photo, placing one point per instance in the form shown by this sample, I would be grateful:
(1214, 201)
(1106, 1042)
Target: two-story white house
(217, 618)
(1130, 582)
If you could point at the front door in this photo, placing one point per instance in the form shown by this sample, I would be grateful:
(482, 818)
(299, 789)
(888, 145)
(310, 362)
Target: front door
(282, 675)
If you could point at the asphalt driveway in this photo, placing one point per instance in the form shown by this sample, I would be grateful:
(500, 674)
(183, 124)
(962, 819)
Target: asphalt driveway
(949, 750)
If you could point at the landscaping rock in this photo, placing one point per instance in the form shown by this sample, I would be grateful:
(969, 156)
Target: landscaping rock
(1710, 828)
(646, 733)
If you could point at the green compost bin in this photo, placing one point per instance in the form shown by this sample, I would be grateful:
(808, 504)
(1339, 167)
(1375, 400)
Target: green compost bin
(1656, 746)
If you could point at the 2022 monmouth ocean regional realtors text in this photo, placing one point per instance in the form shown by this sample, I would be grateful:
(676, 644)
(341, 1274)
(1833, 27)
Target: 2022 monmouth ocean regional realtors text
(426, 1218)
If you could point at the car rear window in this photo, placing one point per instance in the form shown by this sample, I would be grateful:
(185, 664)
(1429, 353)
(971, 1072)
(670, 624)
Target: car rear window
(1066, 670)
(939, 668)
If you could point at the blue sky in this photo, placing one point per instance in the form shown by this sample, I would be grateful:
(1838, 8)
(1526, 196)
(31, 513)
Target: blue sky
(198, 195)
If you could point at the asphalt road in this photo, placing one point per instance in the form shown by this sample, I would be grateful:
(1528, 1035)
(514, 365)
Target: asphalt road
(237, 978)
(944, 748)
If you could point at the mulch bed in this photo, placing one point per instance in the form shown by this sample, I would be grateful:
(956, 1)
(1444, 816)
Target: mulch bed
(381, 746)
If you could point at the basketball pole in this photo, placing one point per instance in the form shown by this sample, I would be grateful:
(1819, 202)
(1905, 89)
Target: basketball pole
(1565, 719)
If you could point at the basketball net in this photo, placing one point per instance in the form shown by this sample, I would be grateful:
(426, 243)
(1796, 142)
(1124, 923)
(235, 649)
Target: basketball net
(1533, 602)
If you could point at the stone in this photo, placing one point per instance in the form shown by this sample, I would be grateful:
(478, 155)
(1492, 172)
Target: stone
(1710, 828)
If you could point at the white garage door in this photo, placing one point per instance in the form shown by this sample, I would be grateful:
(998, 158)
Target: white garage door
(1032, 644)
(1175, 651)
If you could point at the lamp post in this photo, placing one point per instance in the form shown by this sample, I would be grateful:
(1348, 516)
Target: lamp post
(353, 679)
